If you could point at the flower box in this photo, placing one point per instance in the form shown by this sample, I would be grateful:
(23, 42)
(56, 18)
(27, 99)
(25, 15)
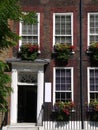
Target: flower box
(29, 51)
(92, 51)
(63, 51)
(62, 110)
(93, 110)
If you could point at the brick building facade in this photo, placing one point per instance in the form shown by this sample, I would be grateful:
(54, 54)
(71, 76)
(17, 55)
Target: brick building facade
(50, 81)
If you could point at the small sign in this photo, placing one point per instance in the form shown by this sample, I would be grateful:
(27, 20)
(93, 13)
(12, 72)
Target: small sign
(47, 92)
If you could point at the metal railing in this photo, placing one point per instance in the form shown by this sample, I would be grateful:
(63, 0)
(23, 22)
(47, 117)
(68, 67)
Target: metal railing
(40, 117)
(74, 122)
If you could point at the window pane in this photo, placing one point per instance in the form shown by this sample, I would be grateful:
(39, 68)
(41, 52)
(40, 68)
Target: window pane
(29, 33)
(96, 87)
(91, 17)
(93, 96)
(91, 87)
(24, 28)
(57, 86)
(57, 80)
(29, 39)
(63, 96)
(63, 84)
(57, 29)
(63, 29)
(94, 38)
(91, 73)
(57, 39)
(93, 83)
(96, 74)
(68, 96)
(68, 18)
(63, 80)
(93, 28)
(63, 72)
(91, 80)
(57, 96)
(35, 29)
(63, 39)
(68, 73)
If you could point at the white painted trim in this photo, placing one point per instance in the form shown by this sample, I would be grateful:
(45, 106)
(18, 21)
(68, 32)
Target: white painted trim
(20, 30)
(88, 81)
(53, 29)
(88, 84)
(40, 91)
(72, 81)
(70, 13)
(29, 84)
(88, 25)
(38, 29)
(72, 85)
(14, 94)
(53, 85)
(88, 21)
(14, 100)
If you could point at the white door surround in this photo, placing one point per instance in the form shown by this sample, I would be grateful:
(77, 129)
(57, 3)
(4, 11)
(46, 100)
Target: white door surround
(31, 67)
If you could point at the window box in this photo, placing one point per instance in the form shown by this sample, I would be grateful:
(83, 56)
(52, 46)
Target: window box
(93, 110)
(92, 52)
(62, 110)
(29, 51)
(63, 51)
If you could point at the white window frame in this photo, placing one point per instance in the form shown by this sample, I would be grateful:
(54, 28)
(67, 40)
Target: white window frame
(72, 92)
(89, 27)
(20, 30)
(54, 14)
(88, 81)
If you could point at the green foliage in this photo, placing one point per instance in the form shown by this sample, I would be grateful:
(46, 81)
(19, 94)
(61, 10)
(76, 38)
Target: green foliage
(63, 51)
(93, 110)
(11, 10)
(4, 88)
(93, 48)
(62, 110)
(29, 51)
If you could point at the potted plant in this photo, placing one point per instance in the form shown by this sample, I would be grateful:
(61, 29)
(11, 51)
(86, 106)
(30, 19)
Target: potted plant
(92, 51)
(93, 110)
(62, 110)
(63, 51)
(29, 51)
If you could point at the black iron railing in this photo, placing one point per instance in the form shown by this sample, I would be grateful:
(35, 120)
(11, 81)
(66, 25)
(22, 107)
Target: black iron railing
(74, 121)
(40, 117)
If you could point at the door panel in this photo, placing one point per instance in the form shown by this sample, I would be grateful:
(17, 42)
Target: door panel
(27, 103)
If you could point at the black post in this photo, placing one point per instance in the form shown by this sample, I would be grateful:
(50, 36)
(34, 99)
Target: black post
(81, 66)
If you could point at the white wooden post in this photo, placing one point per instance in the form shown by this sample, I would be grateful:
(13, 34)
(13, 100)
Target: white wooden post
(40, 92)
(13, 110)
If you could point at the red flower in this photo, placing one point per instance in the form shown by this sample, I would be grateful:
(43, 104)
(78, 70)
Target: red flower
(72, 47)
(66, 111)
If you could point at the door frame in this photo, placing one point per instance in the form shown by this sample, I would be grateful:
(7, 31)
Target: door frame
(14, 94)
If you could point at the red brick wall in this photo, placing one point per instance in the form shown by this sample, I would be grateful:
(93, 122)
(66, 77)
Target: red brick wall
(46, 8)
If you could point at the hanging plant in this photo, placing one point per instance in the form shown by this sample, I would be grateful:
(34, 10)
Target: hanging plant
(63, 51)
(29, 51)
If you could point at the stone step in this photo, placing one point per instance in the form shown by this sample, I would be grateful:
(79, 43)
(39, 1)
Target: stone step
(21, 127)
